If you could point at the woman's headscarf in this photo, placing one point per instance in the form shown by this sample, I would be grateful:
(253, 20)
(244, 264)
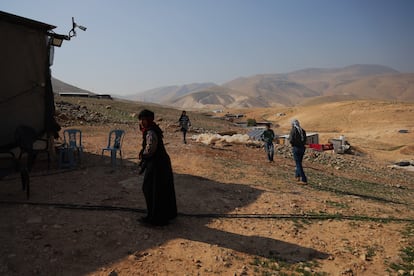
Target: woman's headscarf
(146, 114)
(149, 115)
(296, 124)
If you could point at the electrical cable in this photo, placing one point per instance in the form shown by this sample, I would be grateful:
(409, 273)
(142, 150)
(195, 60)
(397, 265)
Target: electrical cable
(212, 215)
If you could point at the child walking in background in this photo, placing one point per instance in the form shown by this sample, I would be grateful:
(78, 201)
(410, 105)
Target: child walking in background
(268, 136)
(184, 123)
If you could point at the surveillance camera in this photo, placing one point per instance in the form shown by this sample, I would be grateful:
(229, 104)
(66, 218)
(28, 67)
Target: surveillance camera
(83, 28)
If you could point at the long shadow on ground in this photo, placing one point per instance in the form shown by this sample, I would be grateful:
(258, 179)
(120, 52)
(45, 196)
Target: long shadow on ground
(48, 240)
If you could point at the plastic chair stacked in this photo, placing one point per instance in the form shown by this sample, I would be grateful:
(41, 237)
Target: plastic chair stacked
(115, 139)
(72, 144)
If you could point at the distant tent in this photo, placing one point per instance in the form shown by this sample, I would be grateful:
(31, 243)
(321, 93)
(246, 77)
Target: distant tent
(26, 96)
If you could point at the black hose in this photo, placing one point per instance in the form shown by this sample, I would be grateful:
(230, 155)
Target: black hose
(212, 215)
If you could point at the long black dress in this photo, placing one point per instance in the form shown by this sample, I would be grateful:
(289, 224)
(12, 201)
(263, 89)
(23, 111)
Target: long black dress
(158, 185)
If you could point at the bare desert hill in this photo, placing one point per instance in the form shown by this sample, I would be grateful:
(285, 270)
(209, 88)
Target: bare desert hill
(273, 89)
(356, 81)
(61, 86)
(399, 87)
(169, 93)
(217, 97)
(361, 81)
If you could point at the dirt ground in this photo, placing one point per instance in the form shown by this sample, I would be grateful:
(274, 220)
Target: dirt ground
(238, 215)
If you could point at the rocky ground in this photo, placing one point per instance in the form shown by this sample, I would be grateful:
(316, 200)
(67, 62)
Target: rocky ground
(239, 214)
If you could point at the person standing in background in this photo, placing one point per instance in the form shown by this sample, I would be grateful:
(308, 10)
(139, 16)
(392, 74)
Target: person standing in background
(268, 136)
(184, 123)
(297, 139)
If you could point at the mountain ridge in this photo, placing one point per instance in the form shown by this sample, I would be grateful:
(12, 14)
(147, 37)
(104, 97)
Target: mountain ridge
(63, 87)
(169, 93)
(289, 89)
(358, 81)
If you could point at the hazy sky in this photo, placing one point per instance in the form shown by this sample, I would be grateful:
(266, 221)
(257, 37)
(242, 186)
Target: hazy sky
(134, 45)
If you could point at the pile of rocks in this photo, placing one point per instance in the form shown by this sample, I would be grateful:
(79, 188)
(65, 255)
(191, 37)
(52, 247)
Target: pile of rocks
(328, 158)
(68, 114)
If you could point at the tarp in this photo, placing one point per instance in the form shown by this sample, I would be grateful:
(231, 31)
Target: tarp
(256, 134)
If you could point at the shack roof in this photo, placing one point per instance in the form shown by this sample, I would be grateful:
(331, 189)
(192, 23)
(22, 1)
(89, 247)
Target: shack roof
(15, 19)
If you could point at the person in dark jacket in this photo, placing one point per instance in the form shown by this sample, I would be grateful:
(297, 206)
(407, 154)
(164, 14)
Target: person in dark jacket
(297, 139)
(184, 122)
(158, 184)
(268, 136)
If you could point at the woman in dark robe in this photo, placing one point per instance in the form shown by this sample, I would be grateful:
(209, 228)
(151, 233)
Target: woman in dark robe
(158, 185)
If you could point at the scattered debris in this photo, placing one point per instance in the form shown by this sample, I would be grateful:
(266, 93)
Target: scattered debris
(403, 163)
(230, 132)
(321, 147)
(407, 165)
(340, 145)
(311, 138)
(229, 115)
